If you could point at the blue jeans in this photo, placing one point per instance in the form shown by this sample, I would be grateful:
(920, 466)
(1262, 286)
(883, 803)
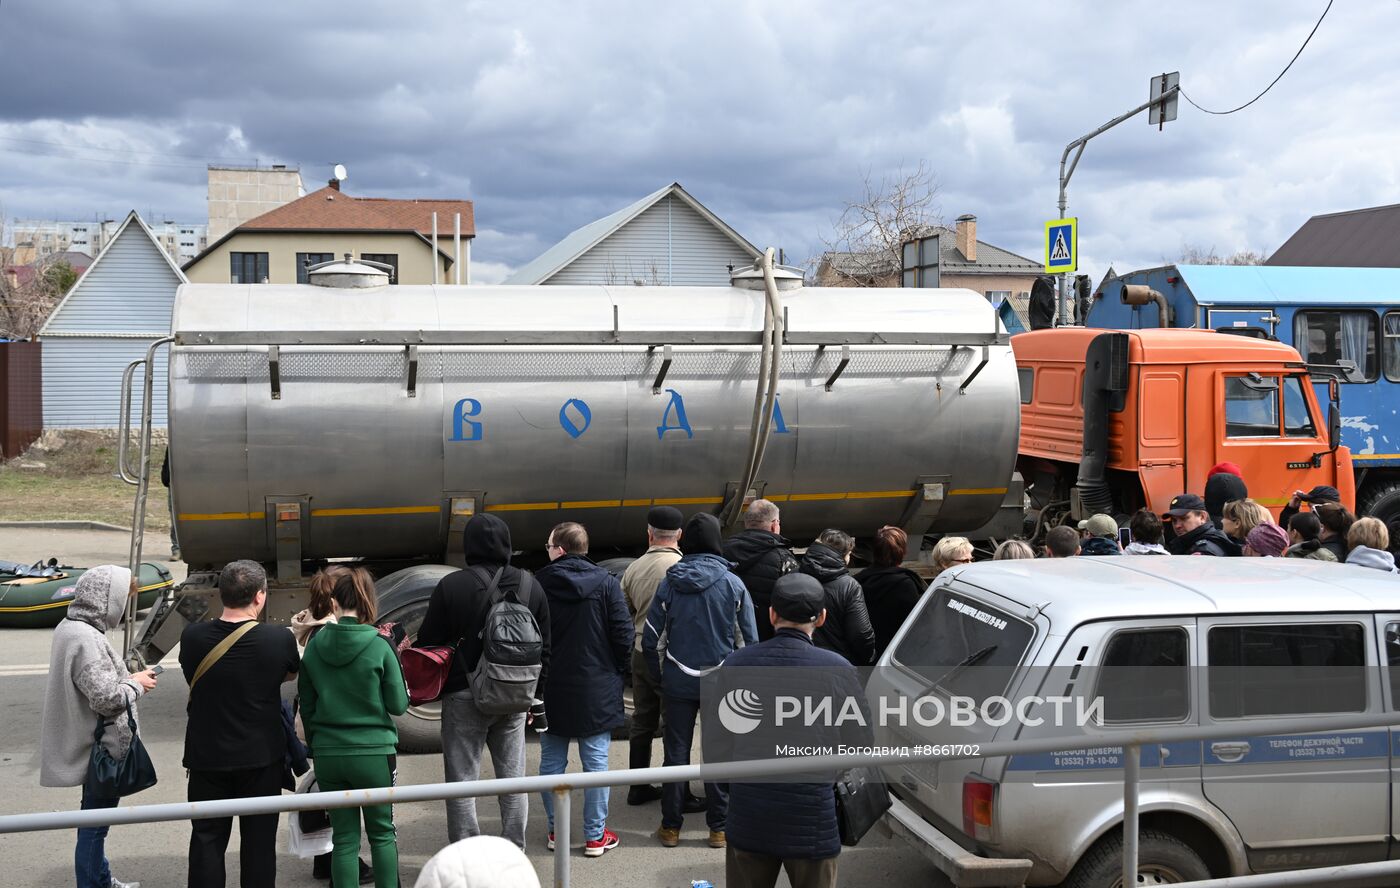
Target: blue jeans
(90, 856)
(593, 752)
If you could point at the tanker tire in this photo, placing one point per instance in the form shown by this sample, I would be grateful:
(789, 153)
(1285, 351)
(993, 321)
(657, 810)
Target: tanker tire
(1382, 500)
(616, 566)
(420, 728)
(1163, 859)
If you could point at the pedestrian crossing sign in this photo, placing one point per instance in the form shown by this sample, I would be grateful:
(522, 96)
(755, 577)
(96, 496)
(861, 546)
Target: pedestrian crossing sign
(1062, 246)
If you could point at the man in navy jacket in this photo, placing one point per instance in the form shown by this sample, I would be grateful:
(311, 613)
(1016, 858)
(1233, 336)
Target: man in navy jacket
(591, 640)
(792, 826)
(700, 615)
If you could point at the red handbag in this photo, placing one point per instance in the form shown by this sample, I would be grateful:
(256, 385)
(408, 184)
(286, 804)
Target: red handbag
(425, 671)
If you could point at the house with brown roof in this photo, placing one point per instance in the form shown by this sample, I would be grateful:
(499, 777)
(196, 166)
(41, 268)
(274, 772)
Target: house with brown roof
(962, 261)
(277, 246)
(1364, 238)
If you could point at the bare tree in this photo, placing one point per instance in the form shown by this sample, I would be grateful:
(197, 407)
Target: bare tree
(873, 228)
(1191, 254)
(28, 294)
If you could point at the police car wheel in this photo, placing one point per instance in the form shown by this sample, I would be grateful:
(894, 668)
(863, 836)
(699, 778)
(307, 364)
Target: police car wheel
(1162, 860)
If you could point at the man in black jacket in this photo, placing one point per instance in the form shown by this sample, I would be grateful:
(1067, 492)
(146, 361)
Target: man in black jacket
(456, 615)
(790, 826)
(760, 556)
(591, 634)
(847, 629)
(1195, 534)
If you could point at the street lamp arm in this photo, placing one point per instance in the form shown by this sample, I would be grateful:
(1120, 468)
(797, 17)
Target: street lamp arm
(1084, 140)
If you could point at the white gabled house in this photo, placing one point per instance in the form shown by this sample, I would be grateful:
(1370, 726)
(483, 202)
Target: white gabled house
(667, 238)
(108, 319)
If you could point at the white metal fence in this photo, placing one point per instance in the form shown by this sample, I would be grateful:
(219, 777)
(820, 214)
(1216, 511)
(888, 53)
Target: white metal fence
(763, 771)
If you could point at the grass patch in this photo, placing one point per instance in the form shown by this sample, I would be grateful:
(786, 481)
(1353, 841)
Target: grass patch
(70, 475)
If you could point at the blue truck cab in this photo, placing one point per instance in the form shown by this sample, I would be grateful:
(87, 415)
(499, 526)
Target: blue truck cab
(1346, 318)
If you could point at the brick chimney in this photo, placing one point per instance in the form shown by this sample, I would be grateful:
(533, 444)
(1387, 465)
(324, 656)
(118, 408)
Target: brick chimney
(967, 236)
(334, 183)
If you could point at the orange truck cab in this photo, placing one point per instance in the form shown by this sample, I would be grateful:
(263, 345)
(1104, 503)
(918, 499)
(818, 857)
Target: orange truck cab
(1115, 421)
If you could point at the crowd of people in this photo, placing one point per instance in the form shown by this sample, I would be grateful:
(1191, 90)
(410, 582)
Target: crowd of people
(1226, 522)
(682, 611)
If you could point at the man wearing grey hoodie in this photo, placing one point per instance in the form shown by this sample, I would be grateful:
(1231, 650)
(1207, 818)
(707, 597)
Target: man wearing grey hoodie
(88, 682)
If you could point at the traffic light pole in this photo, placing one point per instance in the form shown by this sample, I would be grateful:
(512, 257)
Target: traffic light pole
(1067, 167)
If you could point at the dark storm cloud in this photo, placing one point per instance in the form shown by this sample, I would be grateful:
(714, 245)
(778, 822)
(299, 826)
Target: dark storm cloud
(550, 115)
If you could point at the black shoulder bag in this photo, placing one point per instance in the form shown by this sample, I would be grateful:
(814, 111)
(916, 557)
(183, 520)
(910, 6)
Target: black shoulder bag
(108, 777)
(861, 800)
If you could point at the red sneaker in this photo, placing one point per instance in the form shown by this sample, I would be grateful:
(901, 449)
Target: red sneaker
(596, 847)
(550, 844)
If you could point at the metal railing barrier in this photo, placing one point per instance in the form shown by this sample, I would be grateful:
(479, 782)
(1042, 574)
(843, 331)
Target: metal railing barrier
(763, 771)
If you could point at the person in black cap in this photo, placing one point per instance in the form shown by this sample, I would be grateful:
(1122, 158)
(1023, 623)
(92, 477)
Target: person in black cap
(1322, 493)
(792, 826)
(1195, 534)
(639, 586)
(701, 614)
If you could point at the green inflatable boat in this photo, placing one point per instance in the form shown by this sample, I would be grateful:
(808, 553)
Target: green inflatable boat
(37, 596)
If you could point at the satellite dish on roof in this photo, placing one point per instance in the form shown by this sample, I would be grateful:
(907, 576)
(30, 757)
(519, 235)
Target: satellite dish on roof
(339, 172)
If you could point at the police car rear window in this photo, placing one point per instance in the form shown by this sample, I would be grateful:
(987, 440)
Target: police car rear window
(964, 647)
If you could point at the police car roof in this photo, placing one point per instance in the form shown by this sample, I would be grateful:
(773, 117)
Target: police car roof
(1071, 591)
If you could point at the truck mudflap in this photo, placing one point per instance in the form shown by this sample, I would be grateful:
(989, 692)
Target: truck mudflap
(963, 867)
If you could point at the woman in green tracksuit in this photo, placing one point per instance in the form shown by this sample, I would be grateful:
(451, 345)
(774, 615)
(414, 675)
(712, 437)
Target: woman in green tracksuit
(351, 687)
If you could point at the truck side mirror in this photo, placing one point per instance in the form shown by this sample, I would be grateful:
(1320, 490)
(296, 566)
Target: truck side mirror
(1334, 426)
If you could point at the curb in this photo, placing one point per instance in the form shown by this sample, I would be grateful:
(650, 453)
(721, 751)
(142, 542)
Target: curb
(66, 525)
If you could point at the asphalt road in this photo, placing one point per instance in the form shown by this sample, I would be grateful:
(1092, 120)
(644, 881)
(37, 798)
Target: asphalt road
(156, 853)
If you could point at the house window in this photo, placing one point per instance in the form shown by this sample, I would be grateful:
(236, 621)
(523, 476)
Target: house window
(997, 297)
(247, 268)
(390, 259)
(307, 259)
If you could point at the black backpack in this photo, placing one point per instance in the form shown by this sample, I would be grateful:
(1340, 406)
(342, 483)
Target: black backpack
(504, 678)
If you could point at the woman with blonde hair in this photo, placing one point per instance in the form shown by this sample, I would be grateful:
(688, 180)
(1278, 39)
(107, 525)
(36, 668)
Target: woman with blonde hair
(1239, 517)
(351, 689)
(950, 551)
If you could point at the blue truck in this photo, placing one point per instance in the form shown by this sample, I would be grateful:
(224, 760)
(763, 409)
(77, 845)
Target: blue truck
(1345, 322)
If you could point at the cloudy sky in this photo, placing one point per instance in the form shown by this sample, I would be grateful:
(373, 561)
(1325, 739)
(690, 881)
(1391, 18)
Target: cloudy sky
(551, 114)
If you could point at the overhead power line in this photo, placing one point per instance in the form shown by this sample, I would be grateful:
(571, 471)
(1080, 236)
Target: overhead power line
(1275, 80)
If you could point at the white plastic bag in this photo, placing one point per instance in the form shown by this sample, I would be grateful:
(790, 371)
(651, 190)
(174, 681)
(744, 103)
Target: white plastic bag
(310, 844)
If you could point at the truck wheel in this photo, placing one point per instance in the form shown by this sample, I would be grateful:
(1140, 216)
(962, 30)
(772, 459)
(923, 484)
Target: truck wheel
(616, 566)
(420, 728)
(1382, 501)
(1162, 860)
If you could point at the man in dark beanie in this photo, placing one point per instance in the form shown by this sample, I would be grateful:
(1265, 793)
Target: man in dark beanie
(701, 613)
(639, 586)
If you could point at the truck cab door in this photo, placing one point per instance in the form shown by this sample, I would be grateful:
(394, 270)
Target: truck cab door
(1267, 425)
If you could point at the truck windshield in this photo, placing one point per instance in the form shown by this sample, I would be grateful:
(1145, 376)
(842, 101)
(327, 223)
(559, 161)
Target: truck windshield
(969, 648)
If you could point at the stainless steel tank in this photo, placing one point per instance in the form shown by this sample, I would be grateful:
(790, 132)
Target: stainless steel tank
(371, 422)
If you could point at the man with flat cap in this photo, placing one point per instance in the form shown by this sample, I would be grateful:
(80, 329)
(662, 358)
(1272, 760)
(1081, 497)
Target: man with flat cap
(792, 825)
(700, 615)
(639, 588)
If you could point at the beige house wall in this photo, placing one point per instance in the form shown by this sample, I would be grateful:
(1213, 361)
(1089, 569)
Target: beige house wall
(415, 256)
(982, 283)
(237, 195)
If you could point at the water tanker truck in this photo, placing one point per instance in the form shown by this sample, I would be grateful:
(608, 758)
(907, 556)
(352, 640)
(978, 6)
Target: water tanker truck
(347, 419)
